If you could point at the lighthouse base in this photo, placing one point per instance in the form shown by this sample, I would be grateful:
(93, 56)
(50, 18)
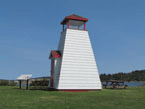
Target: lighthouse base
(77, 90)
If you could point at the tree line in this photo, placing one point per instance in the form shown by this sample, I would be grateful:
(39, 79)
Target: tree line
(7, 83)
(138, 75)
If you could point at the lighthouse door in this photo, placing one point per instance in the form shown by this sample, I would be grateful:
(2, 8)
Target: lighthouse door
(52, 74)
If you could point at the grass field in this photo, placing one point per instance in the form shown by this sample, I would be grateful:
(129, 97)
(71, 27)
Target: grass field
(130, 98)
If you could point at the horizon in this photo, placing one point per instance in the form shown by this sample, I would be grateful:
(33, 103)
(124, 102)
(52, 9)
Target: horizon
(99, 75)
(29, 30)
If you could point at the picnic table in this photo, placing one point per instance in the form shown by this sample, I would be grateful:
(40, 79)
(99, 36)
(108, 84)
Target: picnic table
(115, 84)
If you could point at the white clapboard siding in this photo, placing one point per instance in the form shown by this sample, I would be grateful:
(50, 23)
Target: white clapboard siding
(78, 69)
(58, 61)
(57, 72)
(61, 41)
(80, 86)
(84, 76)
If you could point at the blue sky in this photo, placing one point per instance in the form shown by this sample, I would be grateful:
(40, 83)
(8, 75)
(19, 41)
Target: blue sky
(29, 29)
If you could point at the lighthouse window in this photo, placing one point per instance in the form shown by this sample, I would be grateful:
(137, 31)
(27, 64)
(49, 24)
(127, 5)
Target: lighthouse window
(76, 24)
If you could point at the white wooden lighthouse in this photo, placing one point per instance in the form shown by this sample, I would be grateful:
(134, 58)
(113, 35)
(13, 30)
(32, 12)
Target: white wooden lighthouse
(73, 65)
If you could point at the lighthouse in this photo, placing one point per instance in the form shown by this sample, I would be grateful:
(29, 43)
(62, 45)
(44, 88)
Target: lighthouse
(73, 65)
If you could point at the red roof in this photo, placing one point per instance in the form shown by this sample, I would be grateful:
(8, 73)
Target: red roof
(74, 17)
(55, 54)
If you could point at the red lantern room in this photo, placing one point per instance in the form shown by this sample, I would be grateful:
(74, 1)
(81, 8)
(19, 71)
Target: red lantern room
(75, 22)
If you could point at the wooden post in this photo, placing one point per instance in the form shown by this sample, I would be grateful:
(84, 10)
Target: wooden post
(20, 83)
(84, 26)
(27, 85)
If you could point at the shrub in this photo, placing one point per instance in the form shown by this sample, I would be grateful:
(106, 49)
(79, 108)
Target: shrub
(43, 82)
(12, 83)
(4, 83)
(7, 83)
(143, 84)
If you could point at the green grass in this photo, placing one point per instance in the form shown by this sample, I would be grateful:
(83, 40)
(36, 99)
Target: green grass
(130, 98)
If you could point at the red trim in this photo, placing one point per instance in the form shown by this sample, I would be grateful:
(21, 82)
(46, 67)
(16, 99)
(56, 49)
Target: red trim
(55, 54)
(74, 18)
(84, 26)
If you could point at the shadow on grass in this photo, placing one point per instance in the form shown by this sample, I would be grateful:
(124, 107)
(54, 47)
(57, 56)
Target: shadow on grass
(43, 89)
(51, 89)
(115, 88)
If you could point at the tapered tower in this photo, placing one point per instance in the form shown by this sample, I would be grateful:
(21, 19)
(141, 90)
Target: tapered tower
(73, 65)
